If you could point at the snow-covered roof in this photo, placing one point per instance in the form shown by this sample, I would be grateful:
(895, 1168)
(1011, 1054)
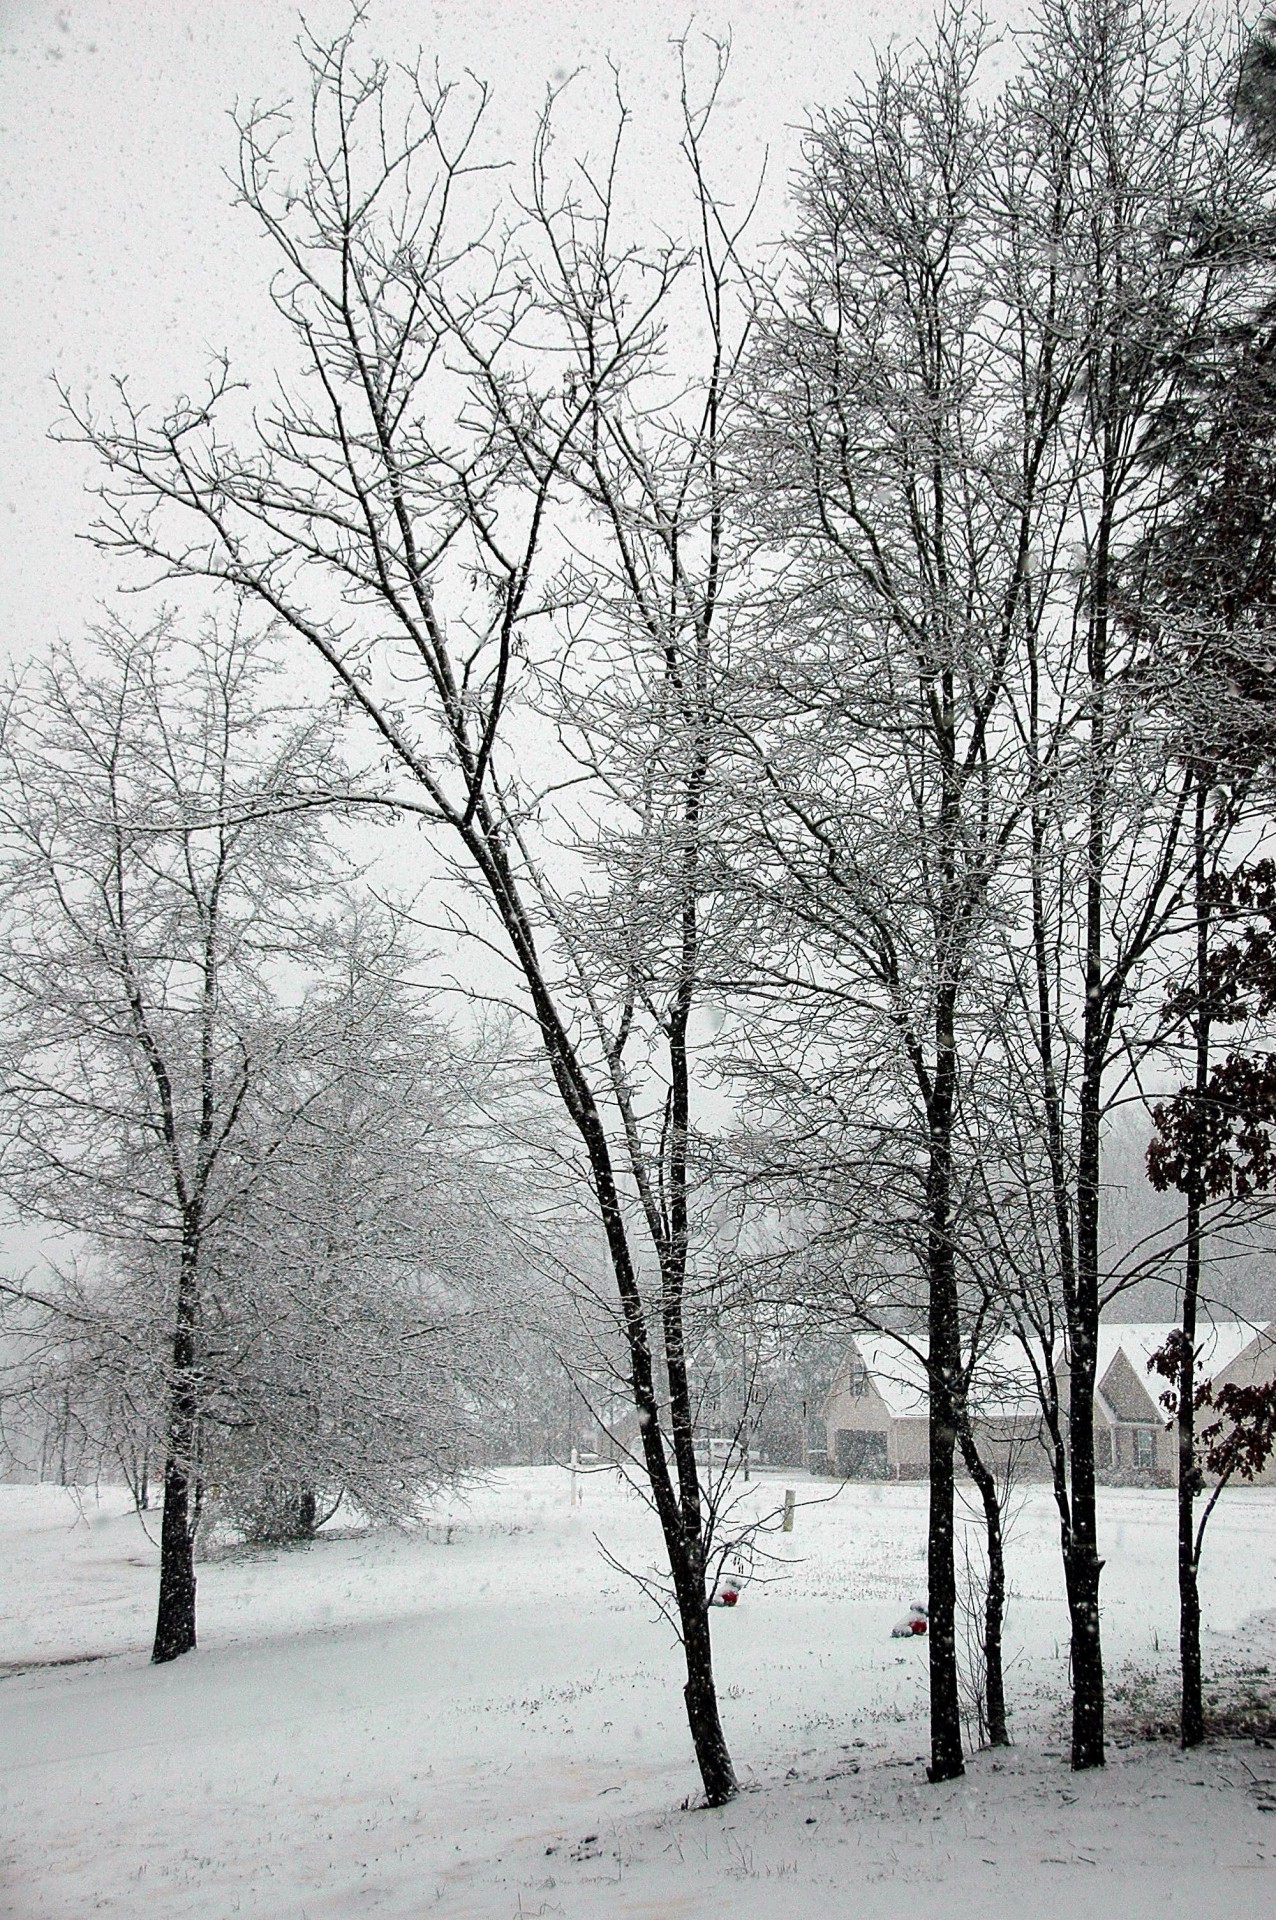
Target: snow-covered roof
(1005, 1386)
(898, 1374)
(1218, 1343)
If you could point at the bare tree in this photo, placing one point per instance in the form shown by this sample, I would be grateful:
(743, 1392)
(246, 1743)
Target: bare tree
(903, 441)
(845, 1260)
(1204, 584)
(355, 1303)
(161, 859)
(1142, 192)
(988, 306)
(354, 1300)
(469, 401)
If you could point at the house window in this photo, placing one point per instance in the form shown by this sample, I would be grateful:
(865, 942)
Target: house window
(859, 1380)
(1144, 1447)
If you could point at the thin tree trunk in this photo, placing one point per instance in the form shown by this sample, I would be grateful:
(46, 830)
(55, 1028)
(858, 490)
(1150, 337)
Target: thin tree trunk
(700, 1693)
(946, 1762)
(1061, 1442)
(1073, 1462)
(1084, 1567)
(687, 1568)
(684, 1544)
(1192, 1709)
(66, 1427)
(995, 1596)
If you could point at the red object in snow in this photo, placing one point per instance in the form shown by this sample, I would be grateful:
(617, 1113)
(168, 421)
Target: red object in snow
(917, 1626)
(729, 1596)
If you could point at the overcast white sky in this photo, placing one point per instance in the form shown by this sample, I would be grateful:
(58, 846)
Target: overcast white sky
(122, 251)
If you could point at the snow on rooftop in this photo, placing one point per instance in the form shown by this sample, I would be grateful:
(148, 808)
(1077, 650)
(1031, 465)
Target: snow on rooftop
(897, 1371)
(1218, 1342)
(1005, 1385)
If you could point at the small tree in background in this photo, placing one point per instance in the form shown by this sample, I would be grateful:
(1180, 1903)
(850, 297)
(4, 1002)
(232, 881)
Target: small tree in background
(161, 861)
(367, 1280)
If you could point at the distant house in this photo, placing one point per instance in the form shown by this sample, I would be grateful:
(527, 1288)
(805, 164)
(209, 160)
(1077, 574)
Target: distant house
(876, 1419)
(1131, 1439)
(875, 1412)
(1253, 1365)
(1133, 1443)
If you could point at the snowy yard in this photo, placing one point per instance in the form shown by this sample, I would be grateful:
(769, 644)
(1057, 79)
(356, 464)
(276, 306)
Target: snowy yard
(489, 1725)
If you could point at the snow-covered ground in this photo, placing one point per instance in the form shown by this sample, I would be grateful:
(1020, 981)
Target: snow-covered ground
(483, 1719)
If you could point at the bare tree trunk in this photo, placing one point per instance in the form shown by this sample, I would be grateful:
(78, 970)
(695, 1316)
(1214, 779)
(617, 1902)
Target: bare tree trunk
(1081, 1577)
(687, 1567)
(1082, 1565)
(175, 1619)
(995, 1596)
(1192, 1710)
(700, 1692)
(679, 1511)
(703, 1718)
(946, 1762)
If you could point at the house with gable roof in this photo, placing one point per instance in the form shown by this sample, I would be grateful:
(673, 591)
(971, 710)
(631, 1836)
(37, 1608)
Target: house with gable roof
(875, 1413)
(1133, 1443)
(1131, 1439)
